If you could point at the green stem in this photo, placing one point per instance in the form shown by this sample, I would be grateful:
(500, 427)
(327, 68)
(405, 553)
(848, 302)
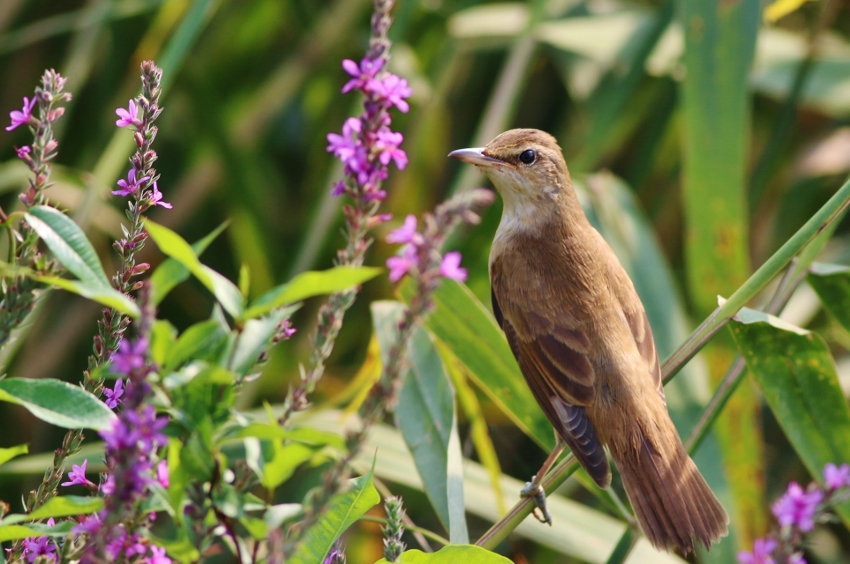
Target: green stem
(820, 222)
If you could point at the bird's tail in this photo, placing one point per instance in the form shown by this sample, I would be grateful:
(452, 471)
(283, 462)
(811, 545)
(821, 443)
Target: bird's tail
(672, 502)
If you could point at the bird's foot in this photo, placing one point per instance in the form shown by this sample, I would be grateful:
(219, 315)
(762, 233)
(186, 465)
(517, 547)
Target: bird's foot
(535, 491)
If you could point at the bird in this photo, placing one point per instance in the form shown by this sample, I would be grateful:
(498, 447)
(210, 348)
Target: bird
(582, 340)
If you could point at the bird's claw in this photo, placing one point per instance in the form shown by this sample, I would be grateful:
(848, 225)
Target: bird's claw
(535, 491)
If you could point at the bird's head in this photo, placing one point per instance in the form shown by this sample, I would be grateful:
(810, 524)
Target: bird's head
(528, 170)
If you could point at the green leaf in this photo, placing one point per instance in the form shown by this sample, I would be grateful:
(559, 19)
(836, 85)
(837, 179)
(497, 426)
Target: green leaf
(304, 435)
(832, 284)
(256, 336)
(174, 246)
(18, 532)
(67, 505)
(426, 417)
(56, 402)
(344, 510)
(171, 272)
(103, 294)
(280, 461)
(196, 343)
(7, 454)
(469, 331)
(309, 284)
(797, 376)
(453, 554)
(68, 243)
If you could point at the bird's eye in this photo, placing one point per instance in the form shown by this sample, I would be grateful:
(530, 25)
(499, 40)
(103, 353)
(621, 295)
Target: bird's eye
(527, 156)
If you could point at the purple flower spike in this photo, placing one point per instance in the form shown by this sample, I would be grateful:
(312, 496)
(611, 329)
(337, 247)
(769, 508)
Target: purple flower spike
(77, 476)
(40, 546)
(130, 357)
(130, 185)
(22, 117)
(113, 395)
(450, 267)
(388, 142)
(406, 233)
(762, 549)
(836, 477)
(797, 507)
(156, 198)
(130, 116)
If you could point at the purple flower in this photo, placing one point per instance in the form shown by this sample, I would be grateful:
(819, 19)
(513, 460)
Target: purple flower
(762, 549)
(388, 142)
(130, 116)
(22, 117)
(162, 474)
(157, 556)
(130, 357)
(112, 395)
(339, 188)
(23, 152)
(797, 507)
(450, 267)
(344, 147)
(836, 477)
(401, 265)
(77, 476)
(40, 546)
(156, 198)
(362, 74)
(406, 233)
(134, 546)
(130, 185)
(148, 427)
(119, 436)
(393, 90)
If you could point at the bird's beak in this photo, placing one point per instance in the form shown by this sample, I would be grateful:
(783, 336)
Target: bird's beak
(475, 156)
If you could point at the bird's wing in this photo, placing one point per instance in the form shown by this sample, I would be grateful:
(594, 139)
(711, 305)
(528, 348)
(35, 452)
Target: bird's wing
(561, 379)
(642, 333)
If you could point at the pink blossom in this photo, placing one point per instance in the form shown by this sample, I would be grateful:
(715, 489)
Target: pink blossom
(156, 198)
(77, 476)
(393, 90)
(157, 556)
(388, 143)
(450, 267)
(406, 233)
(162, 474)
(797, 507)
(113, 395)
(362, 74)
(130, 357)
(130, 116)
(762, 549)
(130, 185)
(21, 117)
(23, 152)
(836, 477)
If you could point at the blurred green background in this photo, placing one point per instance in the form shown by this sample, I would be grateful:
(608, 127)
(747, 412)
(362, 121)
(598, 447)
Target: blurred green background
(727, 131)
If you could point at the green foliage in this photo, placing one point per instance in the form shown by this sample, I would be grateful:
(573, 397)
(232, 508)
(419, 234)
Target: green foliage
(58, 403)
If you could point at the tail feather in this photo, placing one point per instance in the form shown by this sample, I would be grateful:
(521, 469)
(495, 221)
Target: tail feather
(673, 504)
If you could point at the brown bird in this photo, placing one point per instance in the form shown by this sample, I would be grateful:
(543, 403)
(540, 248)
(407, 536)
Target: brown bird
(582, 340)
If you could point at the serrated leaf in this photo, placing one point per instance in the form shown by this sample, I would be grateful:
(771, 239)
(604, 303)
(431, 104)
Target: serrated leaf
(174, 246)
(68, 243)
(57, 402)
(344, 510)
(309, 284)
(102, 294)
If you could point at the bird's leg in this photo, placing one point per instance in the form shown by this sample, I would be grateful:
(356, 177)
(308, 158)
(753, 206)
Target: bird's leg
(534, 489)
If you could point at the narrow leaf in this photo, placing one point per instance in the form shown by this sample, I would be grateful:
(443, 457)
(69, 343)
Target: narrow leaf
(344, 510)
(174, 246)
(7, 454)
(57, 402)
(309, 284)
(68, 243)
(171, 272)
(832, 284)
(102, 294)
(453, 554)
